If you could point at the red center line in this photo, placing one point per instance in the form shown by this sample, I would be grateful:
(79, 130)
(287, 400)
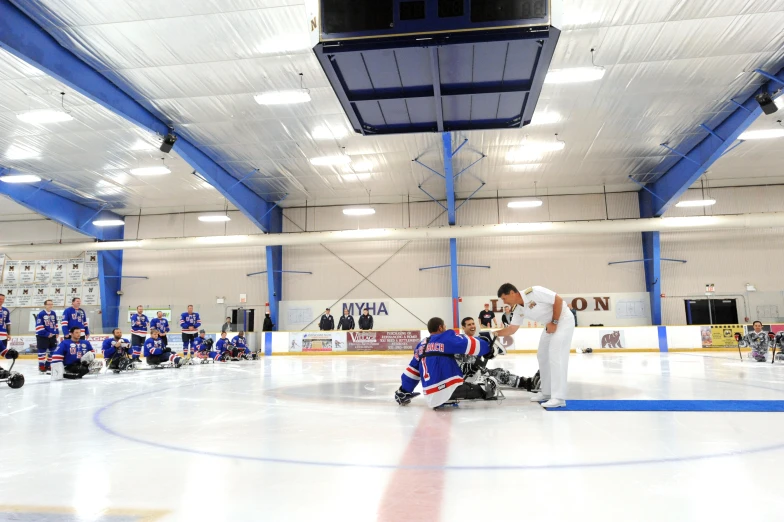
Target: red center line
(416, 494)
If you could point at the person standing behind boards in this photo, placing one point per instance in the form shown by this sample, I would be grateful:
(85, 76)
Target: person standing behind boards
(506, 318)
(365, 320)
(346, 321)
(487, 317)
(544, 306)
(327, 321)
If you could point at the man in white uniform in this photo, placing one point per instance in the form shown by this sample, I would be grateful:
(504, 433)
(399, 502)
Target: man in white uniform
(545, 307)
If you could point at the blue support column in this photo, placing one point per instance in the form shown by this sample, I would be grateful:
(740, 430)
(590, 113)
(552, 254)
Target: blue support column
(110, 264)
(446, 137)
(24, 38)
(275, 266)
(651, 249)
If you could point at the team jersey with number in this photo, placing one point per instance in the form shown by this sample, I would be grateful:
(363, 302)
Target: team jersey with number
(439, 374)
(46, 324)
(190, 321)
(75, 318)
(5, 321)
(109, 349)
(153, 346)
(139, 324)
(162, 325)
(70, 351)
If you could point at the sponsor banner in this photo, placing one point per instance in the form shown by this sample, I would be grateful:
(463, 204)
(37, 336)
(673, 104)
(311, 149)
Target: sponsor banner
(57, 295)
(318, 342)
(383, 341)
(74, 271)
(27, 272)
(91, 293)
(43, 271)
(720, 336)
(25, 298)
(11, 273)
(59, 271)
(26, 344)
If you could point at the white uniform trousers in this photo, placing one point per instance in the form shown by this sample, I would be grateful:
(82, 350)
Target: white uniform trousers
(553, 356)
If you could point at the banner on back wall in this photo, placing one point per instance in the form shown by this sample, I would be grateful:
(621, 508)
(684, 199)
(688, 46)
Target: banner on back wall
(720, 336)
(383, 341)
(43, 271)
(59, 272)
(27, 272)
(11, 273)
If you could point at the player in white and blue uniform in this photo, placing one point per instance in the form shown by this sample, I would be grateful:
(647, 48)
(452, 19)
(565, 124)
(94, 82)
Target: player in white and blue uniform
(435, 366)
(240, 345)
(5, 325)
(139, 325)
(161, 324)
(75, 317)
(75, 354)
(156, 353)
(190, 322)
(46, 331)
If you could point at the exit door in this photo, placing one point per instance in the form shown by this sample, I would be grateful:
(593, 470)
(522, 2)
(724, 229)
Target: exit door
(243, 319)
(711, 311)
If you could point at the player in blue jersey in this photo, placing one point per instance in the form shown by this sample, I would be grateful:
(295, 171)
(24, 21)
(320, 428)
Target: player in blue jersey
(46, 330)
(240, 348)
(190, 322)
(434, 365)
(161, 324)
(139, 325)
(74, 357)
(117, 351)
(75, 317)
(223, 347)
(156, 353)
(204, 348)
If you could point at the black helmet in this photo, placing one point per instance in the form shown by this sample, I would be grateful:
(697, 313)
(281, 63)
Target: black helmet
(16, 380)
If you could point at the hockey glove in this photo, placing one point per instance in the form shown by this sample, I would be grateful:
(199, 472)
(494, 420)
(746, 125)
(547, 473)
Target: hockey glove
(738, 337)
(403, 397)
(496, 348)
(771, 337)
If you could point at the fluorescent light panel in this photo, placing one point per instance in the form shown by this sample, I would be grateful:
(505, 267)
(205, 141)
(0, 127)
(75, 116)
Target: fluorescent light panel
(696, 203)
(576, 75)
(151, 171)
(764, 134)
(44, 116)
(525, 203)
(108, 223)
(214, 219)
(15, 152)
(359, 211)
(282, 97)
(20, 178)
(328, 133)
(330, 160)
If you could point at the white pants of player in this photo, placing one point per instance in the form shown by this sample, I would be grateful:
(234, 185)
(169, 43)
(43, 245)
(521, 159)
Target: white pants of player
(553, 357)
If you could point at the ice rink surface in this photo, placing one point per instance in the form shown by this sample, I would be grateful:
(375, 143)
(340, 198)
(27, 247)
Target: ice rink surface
(317, 438)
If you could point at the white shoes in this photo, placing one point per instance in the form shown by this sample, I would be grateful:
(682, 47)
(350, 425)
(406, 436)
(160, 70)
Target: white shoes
(554, 403)
(540, 397)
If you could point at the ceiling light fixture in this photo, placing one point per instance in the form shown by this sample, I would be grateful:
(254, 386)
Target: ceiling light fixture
(331, 160)
(328, 133)
(15, 152)
(526, 203)
(283, 97)
(109, 223)
(20, 178)
(545, 118)
(44, 116)
(151, 171)
(359, 211)
(696, 203)
(763, 134)
(576, 75)
(214, 219)
(142, 145)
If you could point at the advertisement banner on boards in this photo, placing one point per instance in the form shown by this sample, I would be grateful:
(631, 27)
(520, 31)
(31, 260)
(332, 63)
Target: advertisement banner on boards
(383, 341)
(720, 336)
(318, 342)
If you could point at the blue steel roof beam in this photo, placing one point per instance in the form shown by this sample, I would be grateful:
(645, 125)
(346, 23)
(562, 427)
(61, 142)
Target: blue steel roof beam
(446, 138)
(673, 183)
(435, 70)
(25, 39)
(64, 211)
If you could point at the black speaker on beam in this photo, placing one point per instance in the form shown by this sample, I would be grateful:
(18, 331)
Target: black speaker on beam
(168, 143)
(766, 103)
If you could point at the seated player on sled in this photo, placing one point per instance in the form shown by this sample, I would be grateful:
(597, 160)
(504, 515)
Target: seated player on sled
(117, 352)
(759, 341)
(204, 348)
(157, 354)
(74, 357)
(435, 365)
(240, 348)
(11, 378)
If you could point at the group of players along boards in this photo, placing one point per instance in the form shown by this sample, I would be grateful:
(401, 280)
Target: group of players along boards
(74, 356)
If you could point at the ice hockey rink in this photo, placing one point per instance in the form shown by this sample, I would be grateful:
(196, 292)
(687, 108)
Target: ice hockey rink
(321, 438)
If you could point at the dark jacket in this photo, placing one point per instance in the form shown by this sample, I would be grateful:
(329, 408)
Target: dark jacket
(346, 322)
(268, 324)
(327, 322)
(507, 318)
(365, 322)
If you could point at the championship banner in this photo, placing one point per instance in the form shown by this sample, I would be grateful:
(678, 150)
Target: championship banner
(41, 295)
(2, 264)
(43, 271)
(73, 291)
(11, 296)
(74, 271)
(57, 295)
(11, 273)
(318, 342)
(27, 272)
(91, 293)
(720, 336)
(58, 271)
(383, 341)
(25, 299)
(91, 264)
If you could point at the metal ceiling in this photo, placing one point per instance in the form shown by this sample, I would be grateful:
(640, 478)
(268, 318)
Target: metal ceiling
(670, 65)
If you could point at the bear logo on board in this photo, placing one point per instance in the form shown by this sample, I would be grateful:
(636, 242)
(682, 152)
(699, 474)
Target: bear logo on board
(612, 340)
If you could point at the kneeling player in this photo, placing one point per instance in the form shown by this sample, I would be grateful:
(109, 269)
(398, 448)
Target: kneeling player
(73, 359)
(11, 378)
(473, 367)
(156, 353)
(434, 363)
(117, 352)
(240, 348)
